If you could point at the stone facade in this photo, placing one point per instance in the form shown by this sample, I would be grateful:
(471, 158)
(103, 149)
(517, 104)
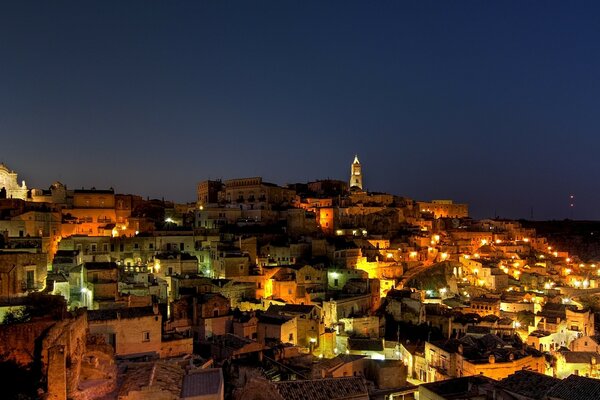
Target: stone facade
(21, 273)
(131, 331)
(8, 182)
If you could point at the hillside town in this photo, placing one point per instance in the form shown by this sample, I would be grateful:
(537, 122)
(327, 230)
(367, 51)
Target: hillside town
(315, 290)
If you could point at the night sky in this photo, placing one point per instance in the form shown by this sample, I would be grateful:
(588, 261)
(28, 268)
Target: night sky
(492, 103)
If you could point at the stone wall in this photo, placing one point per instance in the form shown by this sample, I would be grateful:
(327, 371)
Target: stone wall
(70, 333)
(176, 347)
(18, 341)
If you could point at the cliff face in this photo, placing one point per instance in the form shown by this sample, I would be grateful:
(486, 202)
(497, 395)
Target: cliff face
(579, 238)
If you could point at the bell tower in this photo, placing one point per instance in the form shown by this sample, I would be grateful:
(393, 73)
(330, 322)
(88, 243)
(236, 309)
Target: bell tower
(356, 174)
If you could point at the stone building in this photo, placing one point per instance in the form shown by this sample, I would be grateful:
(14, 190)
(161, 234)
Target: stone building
(278, 328)
(211, 315)
(310, 324)
(444, 209)
(132, 332)
(9, 187)
(93, 213)
(104, 278)
(21, 273)
(208, 192)
(256, 193)
(356, 174)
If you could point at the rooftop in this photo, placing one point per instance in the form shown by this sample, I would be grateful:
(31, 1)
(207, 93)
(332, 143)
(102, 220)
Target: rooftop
(202, 382)
(322, 389)
(576, 388)
(159, 376)
(528, 383)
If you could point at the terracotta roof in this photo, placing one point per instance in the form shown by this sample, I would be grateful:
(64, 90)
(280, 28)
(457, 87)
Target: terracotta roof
(295, 308)
(204, 382)
(358, 344)
(459, 388)
(160, 376)
(273, 319)
(323, 389)
(476, 329)
(576, 388)
(528, 383)
(484, 299)
(335, 362)
(100, 265)
(580, 357)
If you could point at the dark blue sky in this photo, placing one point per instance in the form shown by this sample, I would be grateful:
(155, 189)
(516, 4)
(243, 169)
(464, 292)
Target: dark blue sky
(491, 103)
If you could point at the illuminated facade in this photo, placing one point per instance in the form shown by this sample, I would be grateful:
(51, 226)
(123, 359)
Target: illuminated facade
(254, 191)
(444, 209)
(8, 182)
(93, 213)
(356, 174)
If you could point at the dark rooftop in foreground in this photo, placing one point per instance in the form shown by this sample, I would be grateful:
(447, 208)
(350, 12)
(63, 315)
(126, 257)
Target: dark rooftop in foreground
(529, 383)
(323, 389)
(202, 383)
(576, 388)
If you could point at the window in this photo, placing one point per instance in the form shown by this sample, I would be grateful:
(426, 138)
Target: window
(145, 336)
(291, 338)
(30, 279)
(307, 278)
(136, 246)
(335, 282)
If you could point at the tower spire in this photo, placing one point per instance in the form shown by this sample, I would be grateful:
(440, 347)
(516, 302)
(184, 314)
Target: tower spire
(356, 174)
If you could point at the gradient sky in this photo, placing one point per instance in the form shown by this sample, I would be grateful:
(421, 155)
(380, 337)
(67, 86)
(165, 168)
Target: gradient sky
(492, 103)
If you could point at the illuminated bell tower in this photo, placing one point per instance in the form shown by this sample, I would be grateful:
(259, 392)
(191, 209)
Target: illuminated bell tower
(356, 174)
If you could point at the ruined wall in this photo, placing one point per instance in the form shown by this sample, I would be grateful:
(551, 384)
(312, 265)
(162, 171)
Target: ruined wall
(57, 373)
(70, 333)
(18, 341)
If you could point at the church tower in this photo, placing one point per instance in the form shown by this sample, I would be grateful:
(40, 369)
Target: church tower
(356, 174)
